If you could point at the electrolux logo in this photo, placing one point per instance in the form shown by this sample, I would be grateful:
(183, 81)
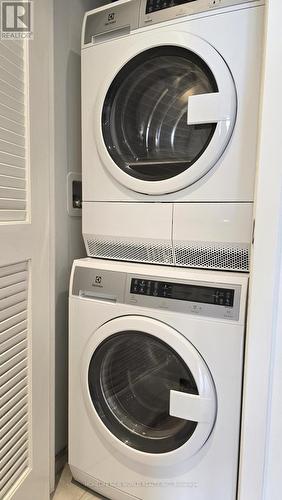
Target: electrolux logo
(16, 19)
(111, 18)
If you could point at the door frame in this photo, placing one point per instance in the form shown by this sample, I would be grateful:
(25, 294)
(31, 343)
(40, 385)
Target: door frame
(43, 112)
(43, 106)
(256, 477)
(49, 36)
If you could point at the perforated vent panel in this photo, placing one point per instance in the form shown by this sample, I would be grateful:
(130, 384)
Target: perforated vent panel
(230, 257)
(155, 252)
(14, 376)
(205, 255)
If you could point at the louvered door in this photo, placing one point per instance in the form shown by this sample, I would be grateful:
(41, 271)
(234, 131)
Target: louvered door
(24, 264)
(13, 127)
(14, 375)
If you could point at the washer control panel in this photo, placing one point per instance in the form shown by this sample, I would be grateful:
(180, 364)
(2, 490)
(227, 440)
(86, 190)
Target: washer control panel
(182, 291)
(120, 18)
(186, 296)
(156, 11)
(155, 5)
(215, 300)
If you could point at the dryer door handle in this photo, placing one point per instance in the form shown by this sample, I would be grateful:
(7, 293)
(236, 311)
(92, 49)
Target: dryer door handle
(209, 108)
(191, 407)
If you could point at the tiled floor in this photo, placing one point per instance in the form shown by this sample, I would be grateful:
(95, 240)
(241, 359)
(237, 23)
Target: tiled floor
(67, 490)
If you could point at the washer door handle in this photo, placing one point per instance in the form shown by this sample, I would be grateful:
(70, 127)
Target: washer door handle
(191, 407)
(209, 108)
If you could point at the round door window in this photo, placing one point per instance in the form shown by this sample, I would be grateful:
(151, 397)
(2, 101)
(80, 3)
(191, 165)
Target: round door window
(144, 118)
(130, 378)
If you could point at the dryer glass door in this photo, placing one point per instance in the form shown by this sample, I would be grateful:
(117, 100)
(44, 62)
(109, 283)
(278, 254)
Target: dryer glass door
(131, 376)
(144, 118)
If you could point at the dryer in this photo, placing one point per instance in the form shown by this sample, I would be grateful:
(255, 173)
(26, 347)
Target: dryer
(170, 96)
(155, 377)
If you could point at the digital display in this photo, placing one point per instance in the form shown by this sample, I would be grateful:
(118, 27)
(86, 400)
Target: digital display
(204, 295)
(155, 5)
(182, 291)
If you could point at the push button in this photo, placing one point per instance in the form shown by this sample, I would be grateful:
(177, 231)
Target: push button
(196, 309)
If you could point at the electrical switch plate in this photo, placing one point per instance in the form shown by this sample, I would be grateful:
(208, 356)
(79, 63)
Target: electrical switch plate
(74, 194)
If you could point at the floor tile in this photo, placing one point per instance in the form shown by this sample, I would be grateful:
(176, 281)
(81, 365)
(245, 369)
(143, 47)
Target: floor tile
(67, 490)
(92, 496)
(66, 476)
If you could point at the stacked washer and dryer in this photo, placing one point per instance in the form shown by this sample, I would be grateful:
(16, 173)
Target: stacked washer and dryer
(170, 101)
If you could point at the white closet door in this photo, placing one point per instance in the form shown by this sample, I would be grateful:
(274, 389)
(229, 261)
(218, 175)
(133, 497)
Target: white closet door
(24, 264)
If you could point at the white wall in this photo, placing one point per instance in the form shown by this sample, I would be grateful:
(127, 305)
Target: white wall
(68, 15)
(261, 463)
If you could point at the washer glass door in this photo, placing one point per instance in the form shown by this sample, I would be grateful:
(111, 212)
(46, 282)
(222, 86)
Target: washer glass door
(144, 118)
(131, 376)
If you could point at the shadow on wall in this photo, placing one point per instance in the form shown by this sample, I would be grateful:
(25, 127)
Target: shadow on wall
(61, 363)
(73, 144)
(73, 107)
(70, 236)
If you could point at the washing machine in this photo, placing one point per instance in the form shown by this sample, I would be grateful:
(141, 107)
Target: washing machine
(155, 380)
(170, 99)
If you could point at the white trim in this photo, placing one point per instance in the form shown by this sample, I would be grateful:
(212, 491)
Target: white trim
(263, 302)
(52, 252)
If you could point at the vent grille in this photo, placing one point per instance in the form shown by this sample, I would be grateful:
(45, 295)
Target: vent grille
(204, 255)
(230, 257)
(13, 118)
(151, 251)
(14, 376)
